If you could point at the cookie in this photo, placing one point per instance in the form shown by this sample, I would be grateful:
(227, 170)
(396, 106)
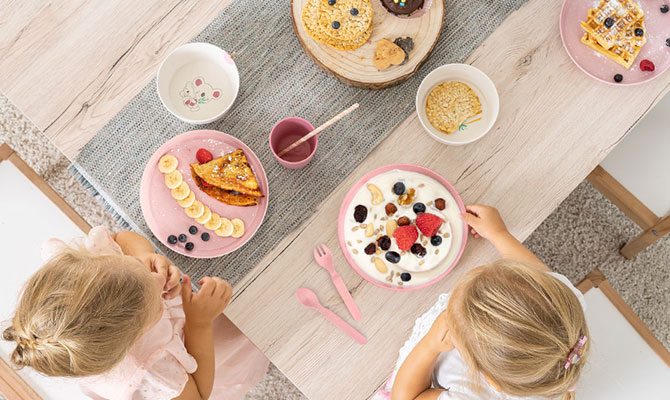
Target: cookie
(449, 104)
(402, 7)
(406, 44)
(341, 24)
(386, 54)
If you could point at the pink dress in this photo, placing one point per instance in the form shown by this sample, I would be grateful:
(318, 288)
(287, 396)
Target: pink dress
(157, 366)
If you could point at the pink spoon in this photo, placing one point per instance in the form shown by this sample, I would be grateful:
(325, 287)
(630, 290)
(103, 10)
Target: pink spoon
(309, 299)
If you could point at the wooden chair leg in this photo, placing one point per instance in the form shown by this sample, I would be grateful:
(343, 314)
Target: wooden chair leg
(646, 238)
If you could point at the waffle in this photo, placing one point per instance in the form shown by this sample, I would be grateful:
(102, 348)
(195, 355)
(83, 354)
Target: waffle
(624, 51)
(624, 13)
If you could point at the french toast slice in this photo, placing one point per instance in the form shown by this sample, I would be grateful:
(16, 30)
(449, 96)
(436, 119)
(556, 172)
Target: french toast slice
(230, 172)
(225, 196)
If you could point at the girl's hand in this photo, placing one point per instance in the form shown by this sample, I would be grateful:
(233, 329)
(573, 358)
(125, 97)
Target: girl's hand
(484, 221)
(438, 337)
(160, 265)
(203, 307)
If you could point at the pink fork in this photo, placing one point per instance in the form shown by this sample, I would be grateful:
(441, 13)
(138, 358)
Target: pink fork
(324, 258)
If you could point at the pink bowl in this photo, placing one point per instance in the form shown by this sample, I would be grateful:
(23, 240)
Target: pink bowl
(285, 133)
(350, 196)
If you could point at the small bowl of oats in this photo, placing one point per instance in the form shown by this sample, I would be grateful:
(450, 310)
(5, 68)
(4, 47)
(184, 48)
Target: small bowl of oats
(457, 104)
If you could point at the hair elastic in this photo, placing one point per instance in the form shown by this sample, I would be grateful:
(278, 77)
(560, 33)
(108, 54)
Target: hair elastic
(576, 353)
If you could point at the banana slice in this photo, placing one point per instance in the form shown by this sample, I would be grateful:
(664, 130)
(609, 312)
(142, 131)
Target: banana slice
(238, 227)
(188, 200)
(205, 216)
(167, 164)
(173, 179)
(195, 210)
(214, 223)
(181, 192)
(377, 196)
(226, 228)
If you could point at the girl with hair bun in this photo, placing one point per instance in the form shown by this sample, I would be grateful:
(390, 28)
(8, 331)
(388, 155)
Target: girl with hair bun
(510, 329)
(125, 322)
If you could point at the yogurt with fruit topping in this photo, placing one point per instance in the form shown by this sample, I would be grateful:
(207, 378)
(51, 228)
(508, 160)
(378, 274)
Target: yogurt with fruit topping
(396, 198)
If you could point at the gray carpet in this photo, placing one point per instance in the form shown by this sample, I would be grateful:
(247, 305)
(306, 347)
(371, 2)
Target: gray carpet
(271, 61)
(585, 232)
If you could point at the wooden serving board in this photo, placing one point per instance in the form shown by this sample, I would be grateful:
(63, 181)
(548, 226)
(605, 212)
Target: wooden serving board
(355, 67)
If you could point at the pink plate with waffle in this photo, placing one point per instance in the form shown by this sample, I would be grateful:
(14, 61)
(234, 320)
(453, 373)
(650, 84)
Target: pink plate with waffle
(165, 217)
(388, 266)
(602, 68)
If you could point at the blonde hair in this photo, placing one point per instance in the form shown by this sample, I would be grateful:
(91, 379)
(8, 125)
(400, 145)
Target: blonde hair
(80, 314)
(518, 325)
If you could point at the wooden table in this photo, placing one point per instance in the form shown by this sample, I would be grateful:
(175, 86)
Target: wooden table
(59, 66)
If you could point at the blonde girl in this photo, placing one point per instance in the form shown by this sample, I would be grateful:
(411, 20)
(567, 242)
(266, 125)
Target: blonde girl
(510, 329)
(125, 322)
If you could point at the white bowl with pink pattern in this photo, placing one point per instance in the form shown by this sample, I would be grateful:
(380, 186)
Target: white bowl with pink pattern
(198, 82)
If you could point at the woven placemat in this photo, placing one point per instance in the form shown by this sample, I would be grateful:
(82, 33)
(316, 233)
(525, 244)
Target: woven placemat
(277, 80)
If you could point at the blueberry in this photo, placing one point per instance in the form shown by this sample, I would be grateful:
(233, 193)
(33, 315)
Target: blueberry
(436, 240)
(618, 78)
(665, 8)
(667, 42)
(405, 276)
(204, 236)
(182, 238)
(193, 229)
(331, 2)
(336, 25)
(189, 246)
(354, 11)
(419, 208)
(639, 32)
(609, 22)
(172, 239)
(399, 188)
(392, 257)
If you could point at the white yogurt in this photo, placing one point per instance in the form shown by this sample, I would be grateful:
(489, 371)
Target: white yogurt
(437, 259)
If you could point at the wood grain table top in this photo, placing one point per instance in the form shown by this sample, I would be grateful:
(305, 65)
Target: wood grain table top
(59, 66)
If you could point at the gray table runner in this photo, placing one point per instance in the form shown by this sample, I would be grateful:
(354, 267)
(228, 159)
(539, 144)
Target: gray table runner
(277, 80)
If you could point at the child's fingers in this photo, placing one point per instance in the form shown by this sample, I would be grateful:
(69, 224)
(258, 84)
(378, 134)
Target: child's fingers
(469, 219)
(207, 286)
(173, 277)
(186, 291)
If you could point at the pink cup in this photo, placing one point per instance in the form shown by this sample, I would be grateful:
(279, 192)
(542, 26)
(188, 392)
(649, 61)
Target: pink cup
(285, 133)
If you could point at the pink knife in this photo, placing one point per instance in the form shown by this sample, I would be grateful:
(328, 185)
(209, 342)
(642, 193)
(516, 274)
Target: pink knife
(309, 299)
(324, 257)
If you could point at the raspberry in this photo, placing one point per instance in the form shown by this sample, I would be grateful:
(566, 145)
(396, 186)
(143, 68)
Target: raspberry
(646, 65)
(405, 236)
(428, 224)
(203, 156)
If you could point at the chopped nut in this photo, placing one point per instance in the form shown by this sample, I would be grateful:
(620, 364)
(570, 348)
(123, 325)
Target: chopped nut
(369, 230)
(402, 221)
(440, 204)
(390, 209)
(422, 262)
(446, 235)
(391, 226)
(354, 229)
(437, 251)
(421, 185)
(407, 198)
(378, 252)
(354, 251)
(349, 243)
(380, 265)
(377, 196)
(359, 241)
(363, 226)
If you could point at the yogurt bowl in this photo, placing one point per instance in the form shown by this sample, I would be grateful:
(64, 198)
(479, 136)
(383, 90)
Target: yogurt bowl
(198, 82)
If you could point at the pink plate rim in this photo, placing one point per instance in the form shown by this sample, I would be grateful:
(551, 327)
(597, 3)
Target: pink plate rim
(352, 192)
(567, 50)
(153, 160)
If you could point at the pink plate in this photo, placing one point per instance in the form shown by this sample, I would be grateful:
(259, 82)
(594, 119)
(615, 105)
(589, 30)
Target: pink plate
(165, 217)
(352, 192)
(601, 67)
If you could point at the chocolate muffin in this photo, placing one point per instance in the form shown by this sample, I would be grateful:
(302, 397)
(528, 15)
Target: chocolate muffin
(402, 7)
